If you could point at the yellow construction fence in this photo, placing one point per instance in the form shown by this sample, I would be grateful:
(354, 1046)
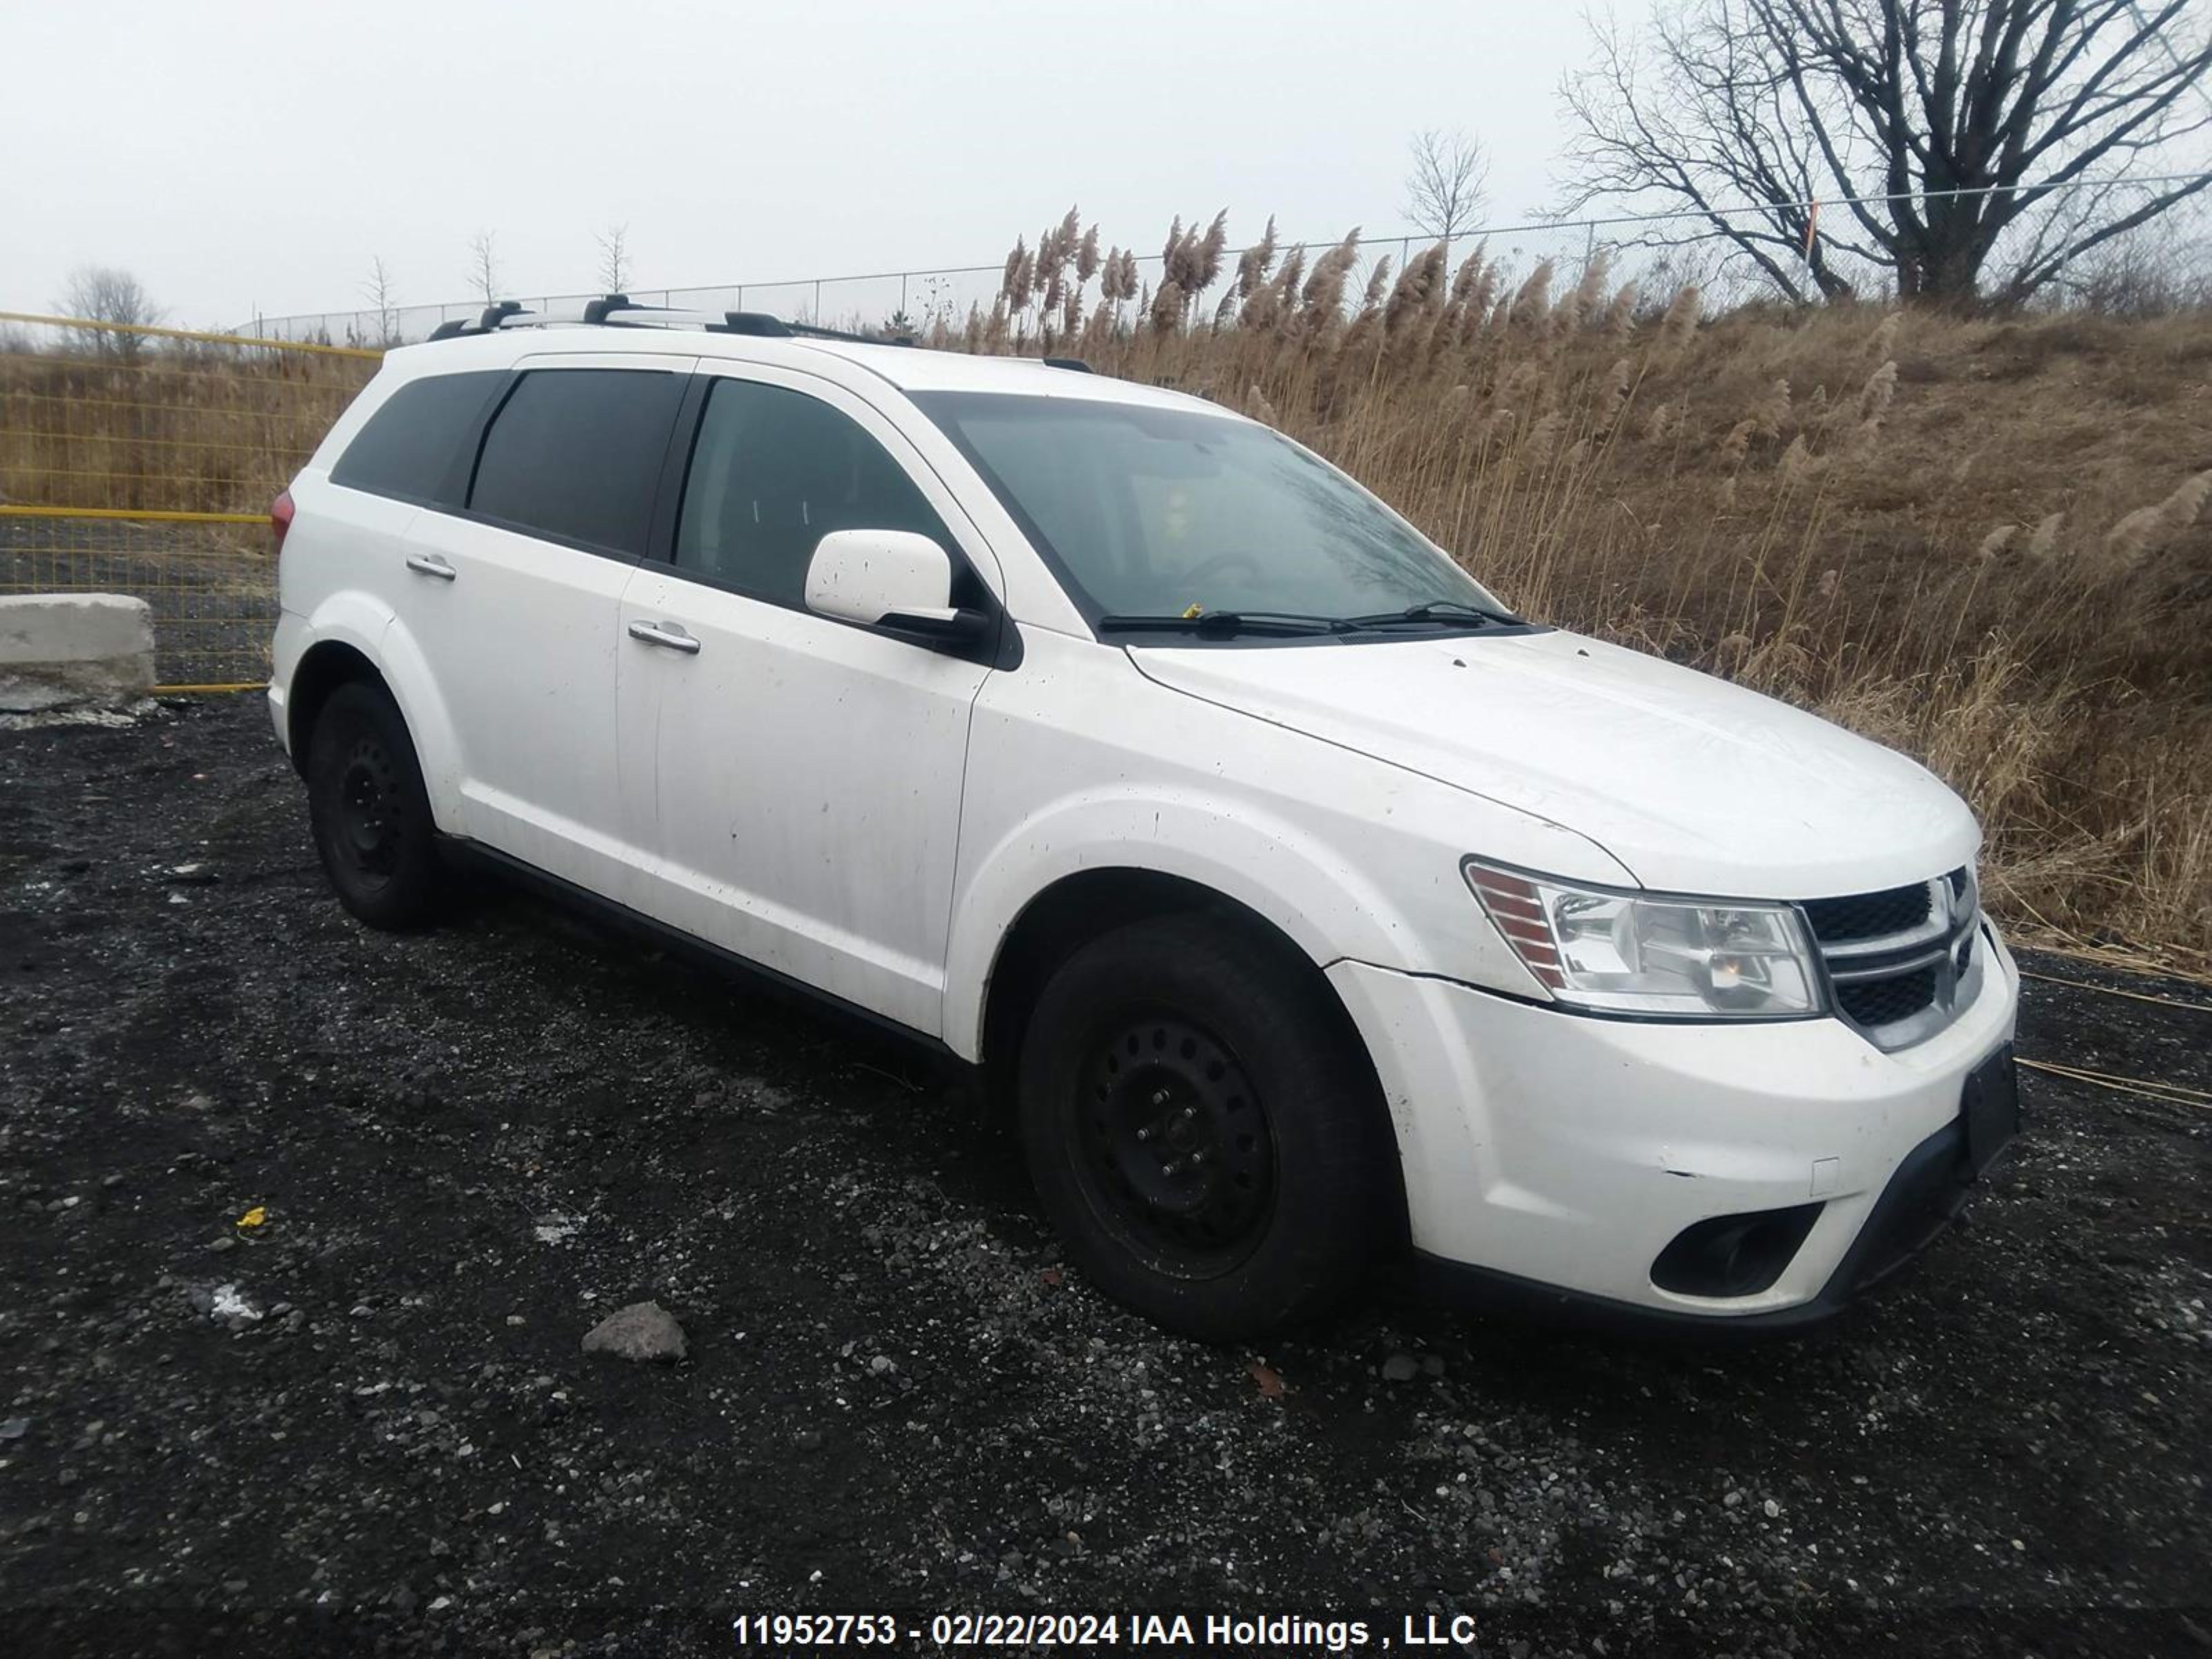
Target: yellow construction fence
(142, 460)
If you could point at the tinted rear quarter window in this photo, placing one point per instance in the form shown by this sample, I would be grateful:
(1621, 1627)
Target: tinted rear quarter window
(576, 453)
(411, 448)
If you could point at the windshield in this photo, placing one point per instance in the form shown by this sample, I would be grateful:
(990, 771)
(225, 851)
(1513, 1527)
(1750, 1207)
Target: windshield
(1164, 513)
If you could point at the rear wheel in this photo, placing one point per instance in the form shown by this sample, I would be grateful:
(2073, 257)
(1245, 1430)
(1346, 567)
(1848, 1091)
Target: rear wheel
(1202, 1129)
(370, 814)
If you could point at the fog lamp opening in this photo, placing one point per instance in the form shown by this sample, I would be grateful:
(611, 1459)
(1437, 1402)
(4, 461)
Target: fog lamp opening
(1726, 1255)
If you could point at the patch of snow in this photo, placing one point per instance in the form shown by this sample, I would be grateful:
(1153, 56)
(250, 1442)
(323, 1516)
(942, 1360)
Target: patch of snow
(230, 1303)
(31, 721)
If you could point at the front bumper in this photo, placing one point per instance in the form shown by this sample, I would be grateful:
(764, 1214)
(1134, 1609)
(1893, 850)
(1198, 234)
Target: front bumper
(1924, 1195)
(1549, 1158)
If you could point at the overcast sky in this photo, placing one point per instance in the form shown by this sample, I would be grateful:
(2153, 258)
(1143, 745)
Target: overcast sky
(246, 158)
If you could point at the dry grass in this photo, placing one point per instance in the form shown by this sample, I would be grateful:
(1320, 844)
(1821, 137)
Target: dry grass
(1981, 541)
(169, 426)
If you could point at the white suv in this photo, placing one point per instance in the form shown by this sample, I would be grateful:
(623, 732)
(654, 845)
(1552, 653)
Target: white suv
(1310, 910)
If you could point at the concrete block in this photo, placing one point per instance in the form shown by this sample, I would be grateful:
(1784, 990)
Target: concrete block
(74, 651)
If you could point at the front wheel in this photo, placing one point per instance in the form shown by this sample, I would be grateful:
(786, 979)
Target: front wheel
(368, 810)
(1202, 1129)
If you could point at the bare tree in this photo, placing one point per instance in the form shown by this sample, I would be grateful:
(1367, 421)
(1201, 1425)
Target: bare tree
(384, 304)
(1934, 127)
(1444, 187)
(614, 259)
(106, 293)
(483, 266)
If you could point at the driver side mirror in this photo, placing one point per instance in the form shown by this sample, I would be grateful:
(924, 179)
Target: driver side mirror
(895, 580)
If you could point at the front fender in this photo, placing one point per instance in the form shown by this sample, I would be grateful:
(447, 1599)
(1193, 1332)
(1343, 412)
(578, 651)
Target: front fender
(1326, 906)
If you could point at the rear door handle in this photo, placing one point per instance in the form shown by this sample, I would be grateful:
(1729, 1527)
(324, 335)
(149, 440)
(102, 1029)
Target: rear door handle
(665, 634)
(431, 564)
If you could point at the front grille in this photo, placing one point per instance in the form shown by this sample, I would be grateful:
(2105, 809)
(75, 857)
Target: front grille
(1897, 958)
(1885, 1002)
(1868, 916)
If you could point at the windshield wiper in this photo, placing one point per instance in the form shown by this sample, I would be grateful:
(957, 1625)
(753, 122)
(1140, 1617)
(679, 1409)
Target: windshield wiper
(1443, 611)
(1220, 624)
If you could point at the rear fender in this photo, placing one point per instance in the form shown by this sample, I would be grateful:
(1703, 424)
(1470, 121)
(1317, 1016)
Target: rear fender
(370, 627)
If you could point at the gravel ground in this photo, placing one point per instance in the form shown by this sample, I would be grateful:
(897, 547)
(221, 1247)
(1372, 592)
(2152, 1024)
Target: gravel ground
(368, 1420)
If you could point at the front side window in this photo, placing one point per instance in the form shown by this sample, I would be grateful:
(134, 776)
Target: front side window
(1153, 513)
(411, 448)
(773, 473)
(575, 454)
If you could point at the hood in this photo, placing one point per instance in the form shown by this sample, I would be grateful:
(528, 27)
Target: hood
(1695, 785)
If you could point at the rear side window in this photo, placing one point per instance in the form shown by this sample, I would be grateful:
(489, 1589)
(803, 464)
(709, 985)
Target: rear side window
(411, 448)
(773, 473)
(575, 454)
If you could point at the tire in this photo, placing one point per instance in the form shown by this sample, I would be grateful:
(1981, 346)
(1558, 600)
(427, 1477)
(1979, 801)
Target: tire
(1203, 1130)
(368, 810)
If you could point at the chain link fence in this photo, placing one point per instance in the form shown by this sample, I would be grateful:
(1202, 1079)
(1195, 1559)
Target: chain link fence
(915, 297)
(1659, 250)
(142, 460)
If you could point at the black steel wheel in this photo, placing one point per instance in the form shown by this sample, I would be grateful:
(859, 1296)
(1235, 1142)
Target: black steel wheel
(370, 814)
(1176, 1149)
(1203, 1127)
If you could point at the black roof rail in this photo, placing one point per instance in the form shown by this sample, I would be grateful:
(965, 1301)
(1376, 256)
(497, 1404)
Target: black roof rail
(490, 319)
(754, 322)
(759, 323)
(1073, 365)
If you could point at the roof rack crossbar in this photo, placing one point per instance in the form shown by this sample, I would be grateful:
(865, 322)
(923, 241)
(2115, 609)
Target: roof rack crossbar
(595, 311)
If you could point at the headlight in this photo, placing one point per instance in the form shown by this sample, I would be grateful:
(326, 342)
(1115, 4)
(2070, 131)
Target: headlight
(1626, 953)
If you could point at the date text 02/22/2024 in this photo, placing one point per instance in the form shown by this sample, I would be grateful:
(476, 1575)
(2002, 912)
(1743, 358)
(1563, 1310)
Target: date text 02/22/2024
(1082, 1630)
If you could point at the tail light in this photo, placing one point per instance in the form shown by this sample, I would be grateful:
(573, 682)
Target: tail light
(280, 519)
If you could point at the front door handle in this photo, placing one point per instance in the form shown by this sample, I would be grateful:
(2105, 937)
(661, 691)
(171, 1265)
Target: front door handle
(431, 564)
(665, 634)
